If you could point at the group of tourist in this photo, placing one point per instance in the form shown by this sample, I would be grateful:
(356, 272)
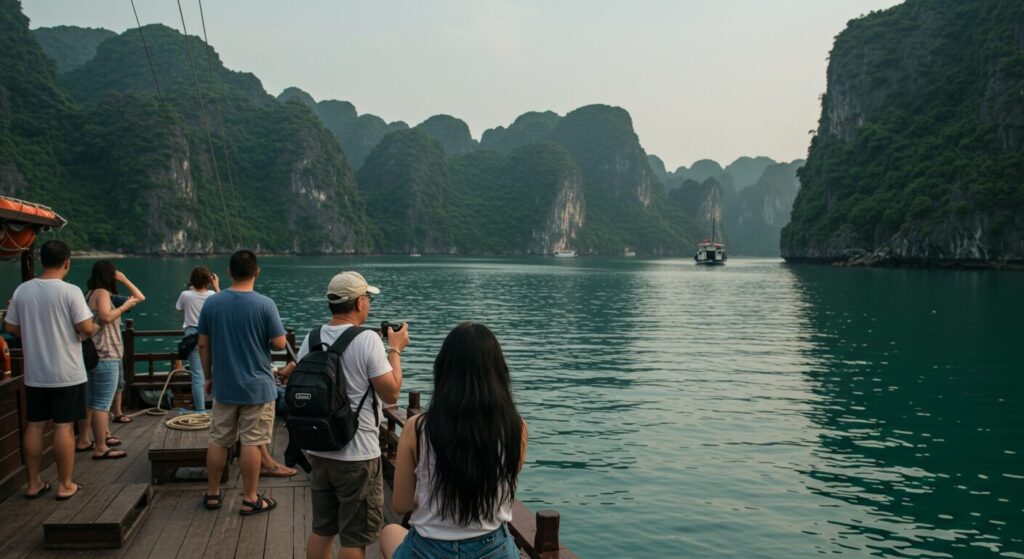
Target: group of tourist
(457, 463)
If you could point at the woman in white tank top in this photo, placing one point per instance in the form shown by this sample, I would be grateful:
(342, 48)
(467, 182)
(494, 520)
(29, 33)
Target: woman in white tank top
(458, 462)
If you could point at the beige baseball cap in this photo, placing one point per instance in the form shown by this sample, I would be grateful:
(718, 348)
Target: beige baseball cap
(347, 286)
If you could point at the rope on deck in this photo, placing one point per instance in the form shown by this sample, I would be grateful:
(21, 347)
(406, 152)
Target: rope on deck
(188, 422)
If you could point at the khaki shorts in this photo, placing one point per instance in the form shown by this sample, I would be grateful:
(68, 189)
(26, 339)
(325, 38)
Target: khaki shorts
(348, 500)
(252, 425)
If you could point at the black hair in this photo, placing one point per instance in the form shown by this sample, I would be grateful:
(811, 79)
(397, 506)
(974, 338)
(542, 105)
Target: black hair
(54, 254)
(200, 278)
(472, 426)
(103, 276)
(243, 264)
(344, 307)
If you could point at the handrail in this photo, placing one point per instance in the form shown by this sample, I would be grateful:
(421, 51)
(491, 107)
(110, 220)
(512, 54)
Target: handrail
(536, 534)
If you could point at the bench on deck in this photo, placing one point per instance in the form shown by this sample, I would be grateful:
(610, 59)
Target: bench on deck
(172, 449)
(99, 518)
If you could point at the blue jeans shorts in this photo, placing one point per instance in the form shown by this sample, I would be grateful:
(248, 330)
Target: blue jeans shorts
(101, 384)
(499, 544)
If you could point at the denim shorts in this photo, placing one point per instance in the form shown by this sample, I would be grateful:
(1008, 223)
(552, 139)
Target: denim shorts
(102, 383)
(499, 544)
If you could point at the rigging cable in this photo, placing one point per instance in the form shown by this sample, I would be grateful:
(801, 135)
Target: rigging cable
(219, 114)
(170, 128)
(206, 124)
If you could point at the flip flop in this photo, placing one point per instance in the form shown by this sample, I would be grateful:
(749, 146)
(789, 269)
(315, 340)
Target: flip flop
(38, 494)
(258, 505)
(279, 471)
(117, 441)
(86, 449)
(66, 497)
(123, 419)
(107, 456)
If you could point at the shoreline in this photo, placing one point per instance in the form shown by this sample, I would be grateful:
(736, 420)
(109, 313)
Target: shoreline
(923, 264)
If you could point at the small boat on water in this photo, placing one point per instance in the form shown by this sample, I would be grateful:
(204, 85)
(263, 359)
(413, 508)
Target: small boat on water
(628, 252)
(415, 254)
(711, 252)
(565, 253)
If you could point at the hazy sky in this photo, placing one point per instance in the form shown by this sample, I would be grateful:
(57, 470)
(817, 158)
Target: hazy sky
(701, 78)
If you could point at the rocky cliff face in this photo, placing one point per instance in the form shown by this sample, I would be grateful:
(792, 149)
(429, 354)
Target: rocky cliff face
(919, 156)
(755, 216)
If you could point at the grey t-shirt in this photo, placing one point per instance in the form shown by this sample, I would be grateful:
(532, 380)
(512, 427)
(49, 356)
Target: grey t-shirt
(240, 325)
(47, 310)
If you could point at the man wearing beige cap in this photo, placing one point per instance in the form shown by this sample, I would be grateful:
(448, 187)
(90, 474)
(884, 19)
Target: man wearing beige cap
(348, 490)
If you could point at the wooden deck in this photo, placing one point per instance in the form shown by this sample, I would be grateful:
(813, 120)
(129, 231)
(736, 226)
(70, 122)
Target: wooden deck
(176, 525)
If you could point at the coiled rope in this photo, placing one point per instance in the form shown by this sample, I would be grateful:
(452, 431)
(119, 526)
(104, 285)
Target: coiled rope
(187, 422)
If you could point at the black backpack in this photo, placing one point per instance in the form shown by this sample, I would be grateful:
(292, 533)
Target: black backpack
(320, 415)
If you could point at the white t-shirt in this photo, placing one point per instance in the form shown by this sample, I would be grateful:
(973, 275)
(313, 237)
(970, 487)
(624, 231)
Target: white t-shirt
(191, 303)
(47, 311)
(364, 359)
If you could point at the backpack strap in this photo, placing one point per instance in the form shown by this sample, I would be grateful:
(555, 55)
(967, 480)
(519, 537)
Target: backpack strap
(339, 347)
(314, 340)
(346, 337)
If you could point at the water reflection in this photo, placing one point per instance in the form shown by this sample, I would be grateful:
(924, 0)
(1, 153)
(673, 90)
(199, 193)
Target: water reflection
(920, 410)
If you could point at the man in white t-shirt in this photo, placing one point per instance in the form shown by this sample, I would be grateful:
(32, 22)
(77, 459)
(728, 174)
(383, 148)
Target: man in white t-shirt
(347, 484)
(49, 314)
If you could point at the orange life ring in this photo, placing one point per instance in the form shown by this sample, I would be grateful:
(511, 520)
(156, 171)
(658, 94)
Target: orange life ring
(15, 238)
(5, 358)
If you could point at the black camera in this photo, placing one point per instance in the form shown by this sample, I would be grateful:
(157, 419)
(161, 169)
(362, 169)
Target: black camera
(395, 326)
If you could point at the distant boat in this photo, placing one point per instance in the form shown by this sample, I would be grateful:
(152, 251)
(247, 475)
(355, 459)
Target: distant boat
(565, 253)
(415, 254)
(628, 252)
(710, 252)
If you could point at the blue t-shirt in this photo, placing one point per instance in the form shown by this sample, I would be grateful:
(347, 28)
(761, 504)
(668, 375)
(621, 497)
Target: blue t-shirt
(240, 325)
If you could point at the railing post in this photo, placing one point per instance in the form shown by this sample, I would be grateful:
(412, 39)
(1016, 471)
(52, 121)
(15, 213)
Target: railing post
(545, 541)
(290, 337)
(128, 361)
(414, 405)
(391, 448)
(28, 263)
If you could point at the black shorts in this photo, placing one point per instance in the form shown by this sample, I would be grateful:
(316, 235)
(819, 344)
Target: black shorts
(62, 405)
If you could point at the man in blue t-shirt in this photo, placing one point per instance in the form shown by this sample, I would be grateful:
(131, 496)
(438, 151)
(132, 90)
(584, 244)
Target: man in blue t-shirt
(237, 329)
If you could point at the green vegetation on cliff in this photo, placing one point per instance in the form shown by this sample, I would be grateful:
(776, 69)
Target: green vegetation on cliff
(133, 172)
(69, 46)
(919, 154)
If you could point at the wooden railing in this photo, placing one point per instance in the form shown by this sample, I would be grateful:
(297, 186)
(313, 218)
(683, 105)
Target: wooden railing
(159, 364)
(535, 534)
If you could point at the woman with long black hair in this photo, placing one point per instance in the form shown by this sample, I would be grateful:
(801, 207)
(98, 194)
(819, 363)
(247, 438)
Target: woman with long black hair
(459, 461)
(107, 306)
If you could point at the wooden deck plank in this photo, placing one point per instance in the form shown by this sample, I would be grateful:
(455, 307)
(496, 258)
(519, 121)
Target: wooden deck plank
(141, 544)
(301, 514)
(226, 527)
(198, 535)
(104, 496)
(253, 537)
(279, 532)
(176, 525)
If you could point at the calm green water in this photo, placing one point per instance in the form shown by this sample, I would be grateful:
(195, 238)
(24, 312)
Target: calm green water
(755, 410)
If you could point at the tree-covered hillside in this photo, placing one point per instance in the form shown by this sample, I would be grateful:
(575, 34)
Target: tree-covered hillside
(358, 134)
(136, 171)
(919, 153)
(70, 46)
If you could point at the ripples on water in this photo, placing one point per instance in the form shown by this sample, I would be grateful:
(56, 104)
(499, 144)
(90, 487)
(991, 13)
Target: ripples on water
(754, 410)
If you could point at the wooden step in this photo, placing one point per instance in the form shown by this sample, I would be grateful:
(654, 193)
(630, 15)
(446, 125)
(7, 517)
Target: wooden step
(97, 518)
(173, 449)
